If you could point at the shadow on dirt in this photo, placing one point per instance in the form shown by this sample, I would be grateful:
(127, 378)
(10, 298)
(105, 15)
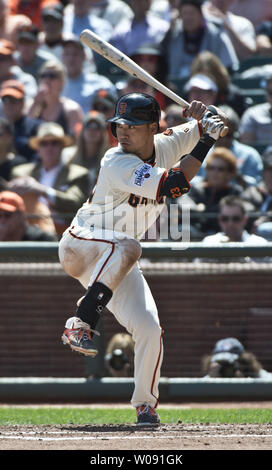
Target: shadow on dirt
(108, 428)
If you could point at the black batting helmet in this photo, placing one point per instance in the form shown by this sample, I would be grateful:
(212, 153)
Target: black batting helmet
(135, 109)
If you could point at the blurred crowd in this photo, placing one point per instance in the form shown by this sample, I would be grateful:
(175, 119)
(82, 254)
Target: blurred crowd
(56, 96)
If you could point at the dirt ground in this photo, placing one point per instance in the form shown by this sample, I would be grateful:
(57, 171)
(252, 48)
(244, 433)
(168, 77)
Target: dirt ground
(130, 437)
(166, 437)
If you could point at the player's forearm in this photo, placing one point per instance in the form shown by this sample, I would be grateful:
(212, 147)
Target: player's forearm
(191, 163)
(177, 180)
(190, 166)
(211, 126)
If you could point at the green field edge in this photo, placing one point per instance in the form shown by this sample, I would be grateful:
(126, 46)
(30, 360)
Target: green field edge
(99, 416)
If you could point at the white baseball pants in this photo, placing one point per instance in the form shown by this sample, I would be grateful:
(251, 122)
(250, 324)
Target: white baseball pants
(132, 302)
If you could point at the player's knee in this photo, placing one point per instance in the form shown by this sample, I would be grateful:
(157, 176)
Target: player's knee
(131, 250)
(71, 262)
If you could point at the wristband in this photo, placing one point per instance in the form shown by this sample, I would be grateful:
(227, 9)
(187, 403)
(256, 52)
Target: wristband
(202, 148)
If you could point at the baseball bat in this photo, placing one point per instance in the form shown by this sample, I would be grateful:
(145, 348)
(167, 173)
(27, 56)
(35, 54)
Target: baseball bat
(120, 59)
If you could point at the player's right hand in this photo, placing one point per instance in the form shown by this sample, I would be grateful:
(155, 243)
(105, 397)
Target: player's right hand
(195, 110)
(212, 125)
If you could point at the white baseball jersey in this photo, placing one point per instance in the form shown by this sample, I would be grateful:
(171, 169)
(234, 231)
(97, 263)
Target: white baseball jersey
(127, 189)
(126, 197)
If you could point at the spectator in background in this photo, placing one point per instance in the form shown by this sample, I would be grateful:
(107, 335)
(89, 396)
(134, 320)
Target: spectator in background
(192, 34)
(51, 35)
(259, 198)
(8, 161)
(78, 16)
(13, 221)
(31, 8)
(230, 359)
(249, 161)
(8, 158)
(13, 100)
(28, 54)
(119, 357)
(113, 11)
(104, 102)
(134, 84)
(239, 29)
(165, 9)
(11, 23)
(201, 87)
(62, 186)
(92, 144)
(10, 71)
(207, 63)
(80, 86)
(174, 115)
(256, 121)
(233, 219)
(150, 58)
(143, 28)
(218, 182)
(50, 104)
(256, 12)
(264, 38)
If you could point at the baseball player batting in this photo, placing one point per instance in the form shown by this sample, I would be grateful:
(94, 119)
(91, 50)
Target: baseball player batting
(134, 179)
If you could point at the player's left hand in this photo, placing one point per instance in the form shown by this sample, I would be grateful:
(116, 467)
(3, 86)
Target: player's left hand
(195, 110)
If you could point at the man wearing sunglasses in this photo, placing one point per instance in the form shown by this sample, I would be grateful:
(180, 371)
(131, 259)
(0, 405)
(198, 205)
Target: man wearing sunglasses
(256, 121)
(233, 219)
(62, 186)
(10, 69)
(14, 225)
(28, 55)
(13, 102)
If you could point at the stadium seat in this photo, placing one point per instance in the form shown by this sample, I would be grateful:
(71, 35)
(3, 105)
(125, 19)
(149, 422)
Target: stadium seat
(247, 83)
(254, 61)
(256, 95)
